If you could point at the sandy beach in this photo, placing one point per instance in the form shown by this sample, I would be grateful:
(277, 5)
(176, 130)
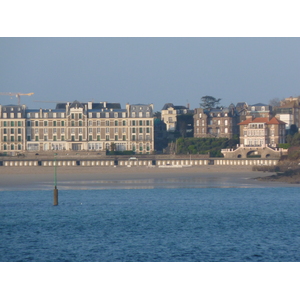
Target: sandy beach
(14, 178)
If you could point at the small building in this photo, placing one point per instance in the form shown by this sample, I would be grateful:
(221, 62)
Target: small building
(170, 112)
(289, 112)
(259, 110)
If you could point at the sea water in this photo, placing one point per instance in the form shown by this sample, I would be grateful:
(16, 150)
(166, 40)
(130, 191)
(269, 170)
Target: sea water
(151, 225)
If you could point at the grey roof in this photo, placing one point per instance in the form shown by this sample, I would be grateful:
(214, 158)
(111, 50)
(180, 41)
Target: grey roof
(168, 105)
(259, 104)
(94, 105)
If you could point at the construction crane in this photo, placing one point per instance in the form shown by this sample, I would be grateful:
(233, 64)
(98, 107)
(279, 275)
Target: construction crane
(17, 95)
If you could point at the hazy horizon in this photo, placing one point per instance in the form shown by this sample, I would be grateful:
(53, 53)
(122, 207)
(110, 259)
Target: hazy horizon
(149, 70)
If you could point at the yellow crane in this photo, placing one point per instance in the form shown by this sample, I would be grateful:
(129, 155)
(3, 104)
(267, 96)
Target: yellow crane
(17, 95)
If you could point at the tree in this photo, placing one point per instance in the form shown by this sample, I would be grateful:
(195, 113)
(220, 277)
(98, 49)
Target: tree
(275, 102)
(157, 115)
(209, 102)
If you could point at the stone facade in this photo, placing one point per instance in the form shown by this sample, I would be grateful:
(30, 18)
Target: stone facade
(77, 126)
(215, 122)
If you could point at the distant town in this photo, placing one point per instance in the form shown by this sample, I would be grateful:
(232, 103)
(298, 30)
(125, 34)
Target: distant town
(237, 131)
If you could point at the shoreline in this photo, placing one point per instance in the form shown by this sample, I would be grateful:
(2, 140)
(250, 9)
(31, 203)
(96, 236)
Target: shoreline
(33, 178)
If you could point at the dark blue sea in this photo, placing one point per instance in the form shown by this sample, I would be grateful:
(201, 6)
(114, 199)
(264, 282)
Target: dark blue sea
(151, 225)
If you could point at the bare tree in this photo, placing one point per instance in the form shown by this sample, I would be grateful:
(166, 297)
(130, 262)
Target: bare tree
(275, 102)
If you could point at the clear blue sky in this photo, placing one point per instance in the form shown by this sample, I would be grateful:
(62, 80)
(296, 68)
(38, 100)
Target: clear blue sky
(149, 70)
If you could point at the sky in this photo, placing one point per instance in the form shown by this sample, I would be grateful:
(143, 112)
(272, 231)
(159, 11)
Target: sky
(144, 70)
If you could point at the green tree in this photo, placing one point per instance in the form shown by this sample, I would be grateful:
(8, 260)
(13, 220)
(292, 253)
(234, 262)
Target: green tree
(209, 102)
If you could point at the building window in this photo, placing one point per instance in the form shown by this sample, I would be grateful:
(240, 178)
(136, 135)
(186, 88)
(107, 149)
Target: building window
(54, 138)
(62, 123)
(98, 137)
(54, 123)
(133, 123)
(80, 138)
(45, 123)
(12, 131)
(62, 137)
(72, 138)
(141, 123)
(106, 123)
(107, 137)
(12, 123)
(19, 139)
(72, 116)
(36, 138)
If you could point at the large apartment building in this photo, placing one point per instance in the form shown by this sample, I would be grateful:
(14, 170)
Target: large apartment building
(215, 122)
(77, 126)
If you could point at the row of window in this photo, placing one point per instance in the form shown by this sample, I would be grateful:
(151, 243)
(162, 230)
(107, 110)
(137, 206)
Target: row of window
(12, 131)
(12, 123)
(80, 138)
(12, 139)
(211, 131)
(211, 122)
(80, 123)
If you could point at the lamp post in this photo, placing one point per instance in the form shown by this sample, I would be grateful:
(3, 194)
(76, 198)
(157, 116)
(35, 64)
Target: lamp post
(55, 192)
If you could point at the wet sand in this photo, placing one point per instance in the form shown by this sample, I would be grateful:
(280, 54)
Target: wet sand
(15, 178)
